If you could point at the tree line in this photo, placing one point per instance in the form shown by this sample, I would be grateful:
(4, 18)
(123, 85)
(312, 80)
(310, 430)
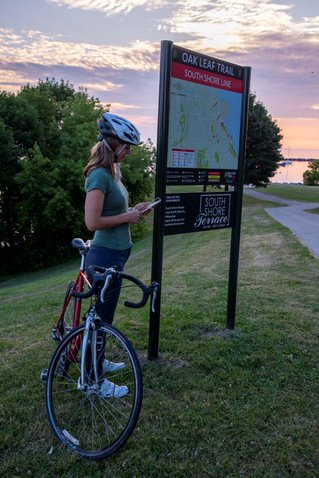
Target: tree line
(46, 134)
(311, 175)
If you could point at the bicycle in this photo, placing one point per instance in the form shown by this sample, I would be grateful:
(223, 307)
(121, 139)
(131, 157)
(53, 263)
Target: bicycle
(84, 413)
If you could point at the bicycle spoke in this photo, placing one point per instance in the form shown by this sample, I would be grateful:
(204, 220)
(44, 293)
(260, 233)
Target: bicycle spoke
(93, 424)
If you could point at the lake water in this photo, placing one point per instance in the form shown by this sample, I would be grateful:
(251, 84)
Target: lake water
(291, 173)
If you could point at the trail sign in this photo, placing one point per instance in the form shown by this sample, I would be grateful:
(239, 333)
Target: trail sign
(201, 138)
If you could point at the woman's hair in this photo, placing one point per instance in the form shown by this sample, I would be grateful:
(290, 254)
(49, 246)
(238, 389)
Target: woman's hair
(102, 157)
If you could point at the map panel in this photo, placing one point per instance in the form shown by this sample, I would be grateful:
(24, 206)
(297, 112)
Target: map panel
(204, 126)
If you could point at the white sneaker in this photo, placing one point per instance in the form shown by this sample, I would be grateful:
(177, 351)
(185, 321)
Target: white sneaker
(109, 389)
(112, 366)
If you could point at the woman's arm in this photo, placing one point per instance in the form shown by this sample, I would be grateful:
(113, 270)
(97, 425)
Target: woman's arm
(93, 210)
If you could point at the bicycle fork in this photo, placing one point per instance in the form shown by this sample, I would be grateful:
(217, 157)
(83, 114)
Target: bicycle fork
(89, 342)
(91, 339)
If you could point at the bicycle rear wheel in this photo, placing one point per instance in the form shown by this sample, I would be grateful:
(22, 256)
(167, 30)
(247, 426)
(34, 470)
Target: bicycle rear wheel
(89, 424)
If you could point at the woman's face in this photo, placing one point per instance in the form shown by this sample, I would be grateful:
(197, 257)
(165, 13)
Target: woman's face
(122, 150)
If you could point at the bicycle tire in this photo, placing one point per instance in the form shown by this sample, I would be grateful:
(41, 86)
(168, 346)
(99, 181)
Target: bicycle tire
(89, 425)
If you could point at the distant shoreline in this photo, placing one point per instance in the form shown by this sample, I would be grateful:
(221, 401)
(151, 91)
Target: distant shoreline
(301, 159)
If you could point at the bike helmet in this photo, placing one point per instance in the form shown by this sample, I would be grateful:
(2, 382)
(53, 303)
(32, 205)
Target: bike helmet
(118, 127)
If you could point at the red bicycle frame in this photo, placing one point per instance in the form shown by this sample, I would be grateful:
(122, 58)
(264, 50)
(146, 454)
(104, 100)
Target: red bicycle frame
(78, 286)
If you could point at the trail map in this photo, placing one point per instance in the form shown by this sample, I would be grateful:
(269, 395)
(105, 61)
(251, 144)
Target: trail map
(204, 128)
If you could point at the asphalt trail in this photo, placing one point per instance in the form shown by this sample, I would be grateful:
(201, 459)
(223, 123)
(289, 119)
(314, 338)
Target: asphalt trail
(305, 225)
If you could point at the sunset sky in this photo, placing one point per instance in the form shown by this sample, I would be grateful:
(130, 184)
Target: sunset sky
(112, 49)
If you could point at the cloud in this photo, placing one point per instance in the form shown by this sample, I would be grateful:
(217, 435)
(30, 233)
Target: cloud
(311, 25)
(39, 48)
(224, 24)
(210, 24)
(282, 51)
(12, 79)
(103, 86)
(240, 28)
(258, 33)
(111, 7)
(121, 106)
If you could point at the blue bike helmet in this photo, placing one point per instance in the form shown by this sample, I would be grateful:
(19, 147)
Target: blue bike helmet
(118, 127)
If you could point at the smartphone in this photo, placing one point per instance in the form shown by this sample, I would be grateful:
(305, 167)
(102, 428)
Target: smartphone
(152, 204)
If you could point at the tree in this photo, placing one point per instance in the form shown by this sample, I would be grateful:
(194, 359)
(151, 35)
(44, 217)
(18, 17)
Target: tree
(138, 176)
(51, 180)
(263, 145)
(46, 134)
(311, 175)
(18, 129)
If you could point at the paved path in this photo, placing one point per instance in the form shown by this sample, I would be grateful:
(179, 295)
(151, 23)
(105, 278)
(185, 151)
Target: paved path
(305, 225)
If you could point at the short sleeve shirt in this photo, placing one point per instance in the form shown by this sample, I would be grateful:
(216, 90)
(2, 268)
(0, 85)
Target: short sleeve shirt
(115, 202)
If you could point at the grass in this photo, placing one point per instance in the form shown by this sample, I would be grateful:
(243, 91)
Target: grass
(217, 403)
(297, 193)
(313, 211)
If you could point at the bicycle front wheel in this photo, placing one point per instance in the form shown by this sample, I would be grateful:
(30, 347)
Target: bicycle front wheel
(90, 423)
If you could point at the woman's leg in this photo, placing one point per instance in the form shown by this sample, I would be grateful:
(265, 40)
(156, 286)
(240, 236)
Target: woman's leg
(106, 257)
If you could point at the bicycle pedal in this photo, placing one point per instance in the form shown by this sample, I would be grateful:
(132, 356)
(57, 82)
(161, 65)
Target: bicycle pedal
(44, 375)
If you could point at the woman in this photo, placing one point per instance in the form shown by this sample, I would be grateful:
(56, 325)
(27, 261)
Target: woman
(108, 215)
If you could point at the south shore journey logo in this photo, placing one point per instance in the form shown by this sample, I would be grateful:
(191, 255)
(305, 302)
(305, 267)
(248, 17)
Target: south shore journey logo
(214, 211)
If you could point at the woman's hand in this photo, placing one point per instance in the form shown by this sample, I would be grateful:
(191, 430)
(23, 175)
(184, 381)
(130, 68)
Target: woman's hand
(134, 215)
(93, 213)
(143, 207)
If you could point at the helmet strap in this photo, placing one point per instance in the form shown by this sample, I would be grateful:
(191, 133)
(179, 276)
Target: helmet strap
(121, 151)
(107, 145)
(118, 171)
(116, 155)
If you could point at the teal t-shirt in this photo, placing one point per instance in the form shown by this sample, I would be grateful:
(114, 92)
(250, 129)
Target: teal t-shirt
(115, 202)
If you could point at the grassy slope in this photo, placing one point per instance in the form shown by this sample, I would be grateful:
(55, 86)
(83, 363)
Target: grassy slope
(298, 193)
(217, 404)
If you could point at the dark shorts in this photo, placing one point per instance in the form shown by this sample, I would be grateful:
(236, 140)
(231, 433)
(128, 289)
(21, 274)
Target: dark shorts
(106, 257)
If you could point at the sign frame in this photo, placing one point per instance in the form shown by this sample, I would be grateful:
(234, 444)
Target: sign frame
(167, 48)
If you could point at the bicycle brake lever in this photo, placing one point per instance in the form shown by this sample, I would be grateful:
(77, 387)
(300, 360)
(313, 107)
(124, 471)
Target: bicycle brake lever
(154, 294)
(106, 284)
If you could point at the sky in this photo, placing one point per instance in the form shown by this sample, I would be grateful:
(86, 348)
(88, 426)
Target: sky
(112, 48)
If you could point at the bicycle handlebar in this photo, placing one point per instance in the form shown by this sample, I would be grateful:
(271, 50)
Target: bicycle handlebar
(101, 275)
(147, 290)
(95, 274)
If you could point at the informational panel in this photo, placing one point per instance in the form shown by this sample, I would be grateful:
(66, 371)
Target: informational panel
(202, 129)
(193, 212)
(204, 120)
